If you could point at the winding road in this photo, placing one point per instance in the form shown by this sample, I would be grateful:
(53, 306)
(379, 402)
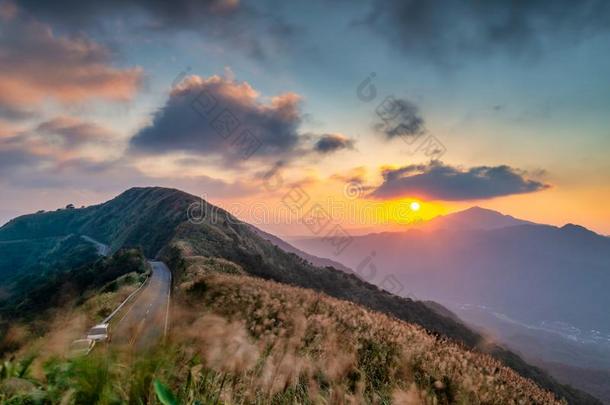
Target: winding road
(103, 250)
(146, 319)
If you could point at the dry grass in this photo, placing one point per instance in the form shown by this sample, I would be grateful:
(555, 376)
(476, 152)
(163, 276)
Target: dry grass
(237, 339)
(276, 341)
(64, 325)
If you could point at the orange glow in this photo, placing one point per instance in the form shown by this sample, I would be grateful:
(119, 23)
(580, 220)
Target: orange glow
(410, 211)
(402, 211)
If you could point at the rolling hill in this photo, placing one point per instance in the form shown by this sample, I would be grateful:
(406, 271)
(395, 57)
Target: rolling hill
(155, 220)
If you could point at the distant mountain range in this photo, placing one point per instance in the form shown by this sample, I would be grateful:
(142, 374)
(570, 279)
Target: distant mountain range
(519, 281)
(430, 262)
(475, 218)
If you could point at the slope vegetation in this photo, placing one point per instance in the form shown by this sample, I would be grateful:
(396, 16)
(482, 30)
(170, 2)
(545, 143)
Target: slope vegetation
(155, 219)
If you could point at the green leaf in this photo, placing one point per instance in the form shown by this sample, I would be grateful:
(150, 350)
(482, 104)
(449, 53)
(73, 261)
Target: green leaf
(164, 394)
(24, 366)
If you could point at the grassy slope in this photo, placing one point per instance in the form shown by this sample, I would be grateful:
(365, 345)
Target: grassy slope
(48, 291)
(89, 288)
(37, 367)
(143, 217)
(332, 347)
(154, 218)
(28, 256)
(238, 339)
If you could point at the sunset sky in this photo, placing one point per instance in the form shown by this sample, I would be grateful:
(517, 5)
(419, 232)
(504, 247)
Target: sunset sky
(364, 106)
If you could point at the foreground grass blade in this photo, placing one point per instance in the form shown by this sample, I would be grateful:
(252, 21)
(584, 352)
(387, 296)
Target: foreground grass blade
(164, 394)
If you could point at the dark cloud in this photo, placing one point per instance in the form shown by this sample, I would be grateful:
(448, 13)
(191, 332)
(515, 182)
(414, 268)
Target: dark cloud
(219, 117)
(14, 112)
(250, 26)
(12, 160)
(78, 13)
(28, 163)
(82, 174)
(21, 159)
(398, 117)
(329, 143)
(437, 181)
(53, 145)
(74, 132)
(448, 31)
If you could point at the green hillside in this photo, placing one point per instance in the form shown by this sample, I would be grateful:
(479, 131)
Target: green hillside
(155, 219)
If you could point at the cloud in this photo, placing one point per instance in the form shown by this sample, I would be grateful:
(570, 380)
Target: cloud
(437, 181)
(257, 29)
(37, 65)
(8, 10)
(115, 176)
(353, 175)
(447, 32)
(219, 117)
(54, 143)
(161, 14)
(12, 159)
(10, 111)
(329, 143)
(398, 117)
(50, 156)
(17, 154)
(72, 132)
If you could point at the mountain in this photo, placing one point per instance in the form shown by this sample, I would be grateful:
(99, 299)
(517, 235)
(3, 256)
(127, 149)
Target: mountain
(155, 220)
(590, 379)
(512, 279)
(42, 254)
(287, 247)
(473, 218)
(145, 217)
(529, 272)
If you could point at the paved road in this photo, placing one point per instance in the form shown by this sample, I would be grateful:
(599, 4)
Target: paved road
(102, 250)
(146, 320)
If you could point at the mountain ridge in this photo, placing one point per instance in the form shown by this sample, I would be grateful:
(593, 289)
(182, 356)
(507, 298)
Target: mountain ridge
(155, 219)
(536, 274)
(473, 218)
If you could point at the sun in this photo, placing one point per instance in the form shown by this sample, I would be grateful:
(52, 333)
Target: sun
(415, 206)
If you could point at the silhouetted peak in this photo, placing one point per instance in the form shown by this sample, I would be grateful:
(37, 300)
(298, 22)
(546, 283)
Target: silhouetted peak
(475, 218)
(577, 229)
